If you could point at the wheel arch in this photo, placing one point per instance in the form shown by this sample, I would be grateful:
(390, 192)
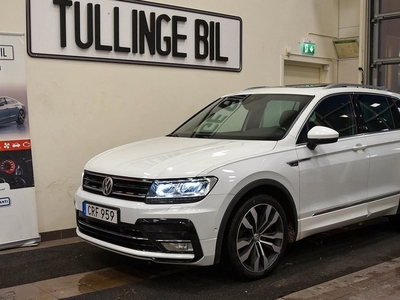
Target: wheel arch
(262, 186)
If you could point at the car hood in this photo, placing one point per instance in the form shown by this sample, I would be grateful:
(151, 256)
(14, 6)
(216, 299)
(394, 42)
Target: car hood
(173, 157)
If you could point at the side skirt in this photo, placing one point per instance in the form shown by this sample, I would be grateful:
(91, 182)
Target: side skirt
(343, 216)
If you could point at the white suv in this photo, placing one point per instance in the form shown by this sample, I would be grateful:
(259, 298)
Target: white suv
(246, 175)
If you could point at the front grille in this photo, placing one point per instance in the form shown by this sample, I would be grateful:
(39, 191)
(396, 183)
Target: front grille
(123, 188)
(128, 236)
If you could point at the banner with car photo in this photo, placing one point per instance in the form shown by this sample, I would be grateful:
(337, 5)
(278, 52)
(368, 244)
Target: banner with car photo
(18, 216)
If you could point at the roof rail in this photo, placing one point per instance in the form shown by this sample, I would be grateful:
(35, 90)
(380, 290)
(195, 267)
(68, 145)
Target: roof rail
(340, 85)
(325, 86)
(255, 87)
(307, 85)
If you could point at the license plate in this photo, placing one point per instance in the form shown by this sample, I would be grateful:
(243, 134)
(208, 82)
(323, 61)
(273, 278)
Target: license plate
(102, 213)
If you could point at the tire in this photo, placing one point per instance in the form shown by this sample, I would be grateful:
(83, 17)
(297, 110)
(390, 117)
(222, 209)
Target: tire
(256, 237)
(395, 221)
(21, 116)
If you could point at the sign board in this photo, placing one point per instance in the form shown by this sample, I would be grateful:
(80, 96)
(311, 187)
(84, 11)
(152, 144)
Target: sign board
(307, 48)
(129, 31)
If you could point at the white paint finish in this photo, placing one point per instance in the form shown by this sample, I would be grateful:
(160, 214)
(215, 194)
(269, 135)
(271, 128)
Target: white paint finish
(335, 184)
(334, 176)
(79, 109)
(168, 157)
(384, 151)
(347, 216)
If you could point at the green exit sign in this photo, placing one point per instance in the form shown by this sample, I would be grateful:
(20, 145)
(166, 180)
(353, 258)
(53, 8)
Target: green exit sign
(307, 48)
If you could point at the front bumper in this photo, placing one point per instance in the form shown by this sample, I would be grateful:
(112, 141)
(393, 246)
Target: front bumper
(143, 230)
(146, 239)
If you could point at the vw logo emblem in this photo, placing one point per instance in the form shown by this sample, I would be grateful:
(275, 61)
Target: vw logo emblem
(107, 186)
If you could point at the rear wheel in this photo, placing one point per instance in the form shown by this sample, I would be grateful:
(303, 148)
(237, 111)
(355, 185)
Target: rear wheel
(256, 237)
(21, 117)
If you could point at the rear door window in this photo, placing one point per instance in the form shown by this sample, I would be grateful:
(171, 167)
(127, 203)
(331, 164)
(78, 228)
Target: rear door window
(379, 113)
(396, 112)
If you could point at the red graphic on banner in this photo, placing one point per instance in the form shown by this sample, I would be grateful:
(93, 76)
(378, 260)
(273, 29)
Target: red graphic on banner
(14, 145)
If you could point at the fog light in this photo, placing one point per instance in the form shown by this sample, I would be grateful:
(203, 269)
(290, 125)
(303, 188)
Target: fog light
(178, 247)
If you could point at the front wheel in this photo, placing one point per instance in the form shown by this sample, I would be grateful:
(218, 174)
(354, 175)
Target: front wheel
(256, 237)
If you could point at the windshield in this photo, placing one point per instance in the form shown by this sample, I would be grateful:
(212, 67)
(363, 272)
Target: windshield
(245, 117)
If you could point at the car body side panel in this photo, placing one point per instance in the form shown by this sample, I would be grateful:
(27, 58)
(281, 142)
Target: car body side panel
(331, 177)
(349, 215)
(384, 175)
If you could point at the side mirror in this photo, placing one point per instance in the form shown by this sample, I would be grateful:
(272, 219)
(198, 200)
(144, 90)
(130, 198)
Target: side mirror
(319, 135)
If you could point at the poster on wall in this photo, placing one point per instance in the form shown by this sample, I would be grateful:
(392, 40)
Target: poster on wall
(18, 217)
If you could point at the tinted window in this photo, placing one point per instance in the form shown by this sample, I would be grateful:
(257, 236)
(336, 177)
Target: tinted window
(336, 112)
(396, 112)
(377, 112)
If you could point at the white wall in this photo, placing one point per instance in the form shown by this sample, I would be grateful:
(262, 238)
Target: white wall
(78, 108)
(350, 18)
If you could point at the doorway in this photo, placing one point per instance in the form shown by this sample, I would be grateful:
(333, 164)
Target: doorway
(306, 70)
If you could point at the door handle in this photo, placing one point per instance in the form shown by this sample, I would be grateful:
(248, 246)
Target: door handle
(359, 147)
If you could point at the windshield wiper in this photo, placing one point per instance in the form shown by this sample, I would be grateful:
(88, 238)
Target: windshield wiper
(202, 135)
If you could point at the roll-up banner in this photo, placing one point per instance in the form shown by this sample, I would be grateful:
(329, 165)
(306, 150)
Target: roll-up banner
(18, 216)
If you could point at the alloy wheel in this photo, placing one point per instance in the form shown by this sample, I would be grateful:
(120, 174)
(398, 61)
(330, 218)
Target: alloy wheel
(260, 238)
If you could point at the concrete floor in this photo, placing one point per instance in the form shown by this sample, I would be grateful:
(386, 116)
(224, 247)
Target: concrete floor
(378, 282)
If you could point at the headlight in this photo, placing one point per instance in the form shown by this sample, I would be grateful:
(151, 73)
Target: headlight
(180, 191)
